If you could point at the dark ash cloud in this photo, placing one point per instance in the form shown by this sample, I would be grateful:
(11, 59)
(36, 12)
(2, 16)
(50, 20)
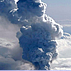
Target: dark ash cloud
(37, 31)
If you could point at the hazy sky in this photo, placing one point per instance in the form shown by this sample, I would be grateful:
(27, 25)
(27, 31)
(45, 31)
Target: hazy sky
(59, 10)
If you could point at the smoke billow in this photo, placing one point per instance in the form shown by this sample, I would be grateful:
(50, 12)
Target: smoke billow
(37, 30)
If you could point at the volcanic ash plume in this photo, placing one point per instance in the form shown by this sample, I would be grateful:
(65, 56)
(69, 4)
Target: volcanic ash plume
(37, 31)
(38, 34)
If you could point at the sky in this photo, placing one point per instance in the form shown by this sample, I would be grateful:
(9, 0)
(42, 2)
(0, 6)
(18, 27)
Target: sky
(59, 10)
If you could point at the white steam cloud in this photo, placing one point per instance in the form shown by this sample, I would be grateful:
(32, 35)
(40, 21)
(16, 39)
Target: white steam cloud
(10, 52)
(37, 31)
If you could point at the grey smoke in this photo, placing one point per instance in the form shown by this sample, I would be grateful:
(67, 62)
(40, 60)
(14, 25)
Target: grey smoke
(37, 30)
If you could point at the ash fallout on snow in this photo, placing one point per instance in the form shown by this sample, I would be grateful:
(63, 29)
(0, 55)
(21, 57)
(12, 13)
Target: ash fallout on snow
(37, 30)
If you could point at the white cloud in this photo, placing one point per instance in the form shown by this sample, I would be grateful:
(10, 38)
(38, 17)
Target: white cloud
(10, 52)
(64, 45)
(11, 64)
(10, 57)
(63, 62)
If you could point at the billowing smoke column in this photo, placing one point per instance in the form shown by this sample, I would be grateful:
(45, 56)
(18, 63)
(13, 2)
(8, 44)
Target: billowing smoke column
(37, 31)
(38, 35)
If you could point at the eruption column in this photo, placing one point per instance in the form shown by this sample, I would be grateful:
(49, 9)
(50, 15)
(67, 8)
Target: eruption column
(37, 30)
(38, 35)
